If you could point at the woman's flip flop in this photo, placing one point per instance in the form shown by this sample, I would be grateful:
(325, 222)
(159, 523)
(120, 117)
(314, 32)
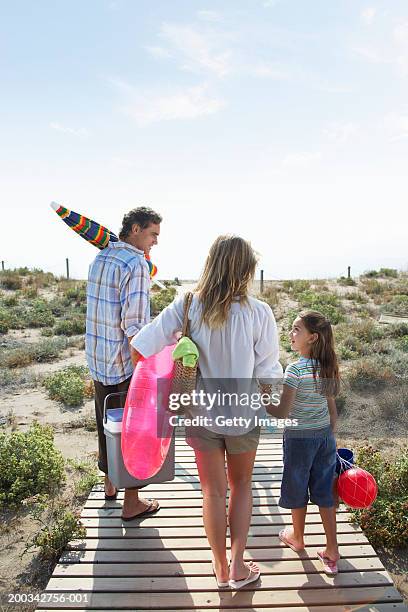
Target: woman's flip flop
(221, 585)
(329, 567)
(283, 538)
(253, 576)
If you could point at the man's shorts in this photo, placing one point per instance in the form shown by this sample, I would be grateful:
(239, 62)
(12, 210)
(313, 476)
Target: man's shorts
(309, 463)
(202, 439)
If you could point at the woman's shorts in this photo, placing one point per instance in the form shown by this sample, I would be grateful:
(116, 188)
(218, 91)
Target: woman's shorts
(202, 439)
(308, 469)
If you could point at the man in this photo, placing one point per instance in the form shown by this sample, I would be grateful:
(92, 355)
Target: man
(118, 306)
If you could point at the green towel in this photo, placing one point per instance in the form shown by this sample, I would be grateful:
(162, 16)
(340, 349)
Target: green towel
(187, 351)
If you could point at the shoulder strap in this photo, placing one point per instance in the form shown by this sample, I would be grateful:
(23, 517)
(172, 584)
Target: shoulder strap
(187, 303)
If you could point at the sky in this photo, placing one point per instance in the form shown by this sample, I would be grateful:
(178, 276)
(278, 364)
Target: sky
(283, 121)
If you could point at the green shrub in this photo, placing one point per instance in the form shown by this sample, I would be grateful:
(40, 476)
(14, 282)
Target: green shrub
(159, 300)
(326, 303)
(388, 272)
(18, 358)
(366, 331)
(396, 330)
(70, 327)
(48, 350)
(43, 351)
(57, 531)
(47, 332)
(357, 297)
(39, 314)
(369, 373)
(10, 280)
(3, 326)
(12, 317)
(30, 293)
(30, 464)
(402, 344)
(371, 274)
(74, 293)
(393, 402)
(296, 286)
(270, 296)
(346, 281)
(22, 271)
(88, 472)
(374, 287)
(398, 305)
(68, 385)
(10, 300)
(386, 521)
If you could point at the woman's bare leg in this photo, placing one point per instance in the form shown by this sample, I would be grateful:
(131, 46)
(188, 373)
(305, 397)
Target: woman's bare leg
(240, 468)
(211, 470)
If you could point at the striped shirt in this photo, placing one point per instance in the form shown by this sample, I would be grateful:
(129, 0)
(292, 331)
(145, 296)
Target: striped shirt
(309, 408)
(118, 306)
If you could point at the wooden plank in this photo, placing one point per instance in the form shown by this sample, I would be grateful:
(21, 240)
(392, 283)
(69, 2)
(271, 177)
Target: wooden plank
(203, 583)
(310, 566)
(279, 599)
(139, 531)
(159, 521)
(274, 512)
(259, 501)
(160, 543)
(195, 486)
(189, 494)
(188, 555)
(194, 479)
(381, 607)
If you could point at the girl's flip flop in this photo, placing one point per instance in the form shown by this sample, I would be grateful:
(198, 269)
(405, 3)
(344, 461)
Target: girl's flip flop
(286, 541)
(329, 567)
(253, 576)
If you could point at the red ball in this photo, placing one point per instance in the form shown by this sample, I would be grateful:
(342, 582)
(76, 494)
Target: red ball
(357, 488)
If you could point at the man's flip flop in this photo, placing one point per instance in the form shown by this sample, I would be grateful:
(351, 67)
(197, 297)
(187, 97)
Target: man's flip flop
(329, 567)
(252, 577)
(111, 497)
(151, 509)
(286, 541)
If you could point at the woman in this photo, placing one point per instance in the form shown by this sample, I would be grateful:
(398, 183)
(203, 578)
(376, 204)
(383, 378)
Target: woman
(237, 339)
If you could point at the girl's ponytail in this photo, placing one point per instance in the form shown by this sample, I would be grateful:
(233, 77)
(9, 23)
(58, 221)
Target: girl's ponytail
(322, 352)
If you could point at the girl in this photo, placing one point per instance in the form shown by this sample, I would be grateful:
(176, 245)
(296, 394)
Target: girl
(237, 339)
(309, 447)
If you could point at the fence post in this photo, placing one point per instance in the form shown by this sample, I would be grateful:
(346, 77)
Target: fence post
(2, 265)
(262, 282)
(67, 263)
(349, 272)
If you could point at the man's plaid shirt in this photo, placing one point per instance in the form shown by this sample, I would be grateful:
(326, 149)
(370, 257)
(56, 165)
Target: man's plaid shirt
(118, 306)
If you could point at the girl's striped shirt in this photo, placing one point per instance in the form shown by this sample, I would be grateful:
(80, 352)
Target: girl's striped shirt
(309, 408)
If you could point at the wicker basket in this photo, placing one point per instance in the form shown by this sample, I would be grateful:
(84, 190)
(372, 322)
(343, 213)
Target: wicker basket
(185, 379)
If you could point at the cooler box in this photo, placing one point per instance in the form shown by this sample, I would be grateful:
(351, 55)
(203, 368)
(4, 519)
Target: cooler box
(117, 471)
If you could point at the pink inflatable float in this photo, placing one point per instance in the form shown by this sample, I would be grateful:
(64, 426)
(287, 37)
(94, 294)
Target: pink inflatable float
(146, 431)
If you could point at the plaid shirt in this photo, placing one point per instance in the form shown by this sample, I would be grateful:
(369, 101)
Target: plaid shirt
(118, 306)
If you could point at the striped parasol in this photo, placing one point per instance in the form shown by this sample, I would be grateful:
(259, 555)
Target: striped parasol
(92, 232)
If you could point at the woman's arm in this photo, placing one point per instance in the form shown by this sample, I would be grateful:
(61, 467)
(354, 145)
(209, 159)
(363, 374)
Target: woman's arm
(152, 338)
(281, 410)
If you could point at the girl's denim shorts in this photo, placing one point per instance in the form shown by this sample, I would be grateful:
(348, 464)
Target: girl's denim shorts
(309, 462)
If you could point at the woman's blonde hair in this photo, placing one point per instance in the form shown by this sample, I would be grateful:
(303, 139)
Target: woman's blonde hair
(228, 271)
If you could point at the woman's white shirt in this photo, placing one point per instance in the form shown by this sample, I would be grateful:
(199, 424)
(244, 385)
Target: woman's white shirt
(232, 358)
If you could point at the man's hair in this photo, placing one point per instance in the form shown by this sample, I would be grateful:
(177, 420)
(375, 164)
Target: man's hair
(143, 216)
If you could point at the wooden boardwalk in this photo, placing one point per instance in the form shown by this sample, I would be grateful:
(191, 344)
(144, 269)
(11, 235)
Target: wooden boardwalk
(163, 562)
